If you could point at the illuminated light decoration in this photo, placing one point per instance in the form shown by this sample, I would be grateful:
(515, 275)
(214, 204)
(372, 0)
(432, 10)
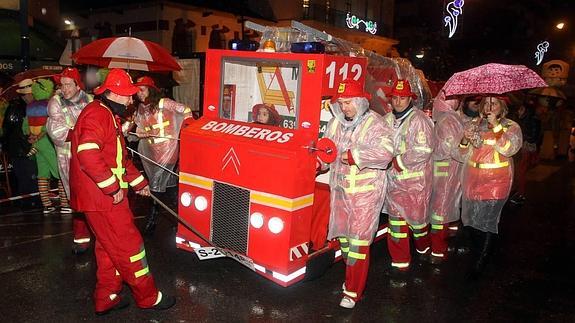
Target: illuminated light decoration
(257, 220)
(541, 50)
(201, 203)
(454, 10)
(353, 23)
(186, 199)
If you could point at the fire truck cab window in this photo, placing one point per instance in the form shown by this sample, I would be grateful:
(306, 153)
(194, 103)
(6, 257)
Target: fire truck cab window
(261, 92)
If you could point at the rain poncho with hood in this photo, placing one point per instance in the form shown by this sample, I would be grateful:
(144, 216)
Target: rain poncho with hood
(160, 125)
(357, 191)
(488, 174)
(409, 190)
(447, 161)
(62, 116)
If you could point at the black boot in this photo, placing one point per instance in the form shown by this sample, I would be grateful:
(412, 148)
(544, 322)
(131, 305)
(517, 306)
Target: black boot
(483, 246)
(152, 220)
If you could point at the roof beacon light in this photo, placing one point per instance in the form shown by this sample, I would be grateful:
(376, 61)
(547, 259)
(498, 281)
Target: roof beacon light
(307, 47)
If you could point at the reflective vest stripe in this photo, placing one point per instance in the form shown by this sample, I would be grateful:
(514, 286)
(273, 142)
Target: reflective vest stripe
(437, 227)
(418, 226)
(108, 182)
(365, 127)
(400, 162)
(137, 181)
(436, 217)
(142, 272)
(333, 127)
(119, 170)
(498, 128)
(139, 256)
(357, 242)
(344, 249)
(407, 175)
(490, 142)
(87, 146)
(422, 149)
(507, 145)
(342, 239)
(356, 255)
(419, 235)
(437, 172)
(353, 177)
(488, 165)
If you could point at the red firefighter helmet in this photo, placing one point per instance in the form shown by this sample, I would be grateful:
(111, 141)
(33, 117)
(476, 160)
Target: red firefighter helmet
(119, 82)
(146, 81)
(70, 72)
(402, 88)
(350, 89)
(275, 118)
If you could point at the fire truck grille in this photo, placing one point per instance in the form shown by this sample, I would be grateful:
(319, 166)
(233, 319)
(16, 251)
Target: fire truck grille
(230, 218)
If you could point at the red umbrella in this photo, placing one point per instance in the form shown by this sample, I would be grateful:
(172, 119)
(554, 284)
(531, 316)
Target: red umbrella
(38, 73)
(492, 79)
(128, 53)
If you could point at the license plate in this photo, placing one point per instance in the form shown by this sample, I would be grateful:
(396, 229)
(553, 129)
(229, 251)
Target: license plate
(205, 253)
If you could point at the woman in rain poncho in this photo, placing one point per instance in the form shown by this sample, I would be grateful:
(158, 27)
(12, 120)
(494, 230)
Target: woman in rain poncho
(487, 176)
(158, 123)
(357, 182)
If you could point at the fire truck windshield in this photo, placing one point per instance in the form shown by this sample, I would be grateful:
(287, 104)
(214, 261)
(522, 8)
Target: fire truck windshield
(263, 92)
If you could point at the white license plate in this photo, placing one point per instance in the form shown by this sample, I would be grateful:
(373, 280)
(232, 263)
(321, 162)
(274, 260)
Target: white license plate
(215, 252)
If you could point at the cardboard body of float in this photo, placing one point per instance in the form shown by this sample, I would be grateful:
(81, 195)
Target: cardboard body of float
(251, 188)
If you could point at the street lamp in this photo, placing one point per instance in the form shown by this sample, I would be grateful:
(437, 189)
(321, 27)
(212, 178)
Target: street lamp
(68, 22)
(560, 26)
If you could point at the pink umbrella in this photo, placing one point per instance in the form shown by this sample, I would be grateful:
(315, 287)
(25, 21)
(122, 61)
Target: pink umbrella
(492, 79)
(128, 53)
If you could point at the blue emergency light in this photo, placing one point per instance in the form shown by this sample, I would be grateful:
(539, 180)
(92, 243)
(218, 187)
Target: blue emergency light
(307, 47)
(247, 45)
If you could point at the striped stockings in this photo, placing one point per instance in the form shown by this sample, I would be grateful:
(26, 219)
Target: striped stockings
(44, 189)
(62, 194)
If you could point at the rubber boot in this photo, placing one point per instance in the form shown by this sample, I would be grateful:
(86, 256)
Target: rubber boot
(483, 246)
(152, 220)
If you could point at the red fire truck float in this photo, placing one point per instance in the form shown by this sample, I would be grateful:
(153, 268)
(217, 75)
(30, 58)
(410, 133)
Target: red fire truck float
(250, 189)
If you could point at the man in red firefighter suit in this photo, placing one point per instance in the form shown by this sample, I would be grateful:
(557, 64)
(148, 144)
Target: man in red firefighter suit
(489, 143)
(63, 111)
(357, 182)
(447, 166)
(409, 177)
(100, 175)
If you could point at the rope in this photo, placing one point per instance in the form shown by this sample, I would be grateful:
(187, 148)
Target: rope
(153, 162)
(23, 196)
(155, 136)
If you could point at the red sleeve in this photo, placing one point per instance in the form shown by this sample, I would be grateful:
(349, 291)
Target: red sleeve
(350, 160)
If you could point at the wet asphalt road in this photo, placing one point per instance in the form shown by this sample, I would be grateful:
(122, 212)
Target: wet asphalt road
(531, 278)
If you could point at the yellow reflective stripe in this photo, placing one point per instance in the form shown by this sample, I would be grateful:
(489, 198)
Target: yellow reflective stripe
(507, 145)
(281, 202)
(423, 149)
(108, 182)
(359, 189)
(356, 255)
(441, 163)
(498, 128)
(437, 227)
(490, 142)
(398, 235)
(87, 146)
(357, 242)
(400, 264)
(197, 181)
(437, 172)
(354, 176)
(418, 226)
(142, 272)
(437, 217)
(344, 249)
(139, 256)
(488, 165)
(342, 239)
(397, 222)
(419, 235)
(399, 162)
(137, 181)
(161, 104)
(365, 127)
(161, 126)
(407, 175)
(350, 294)
(119, 170)
(333, 127)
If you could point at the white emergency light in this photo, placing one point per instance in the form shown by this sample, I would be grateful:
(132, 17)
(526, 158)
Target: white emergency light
(257, 220)
(186, 199)
(201, 203)
(276, 225)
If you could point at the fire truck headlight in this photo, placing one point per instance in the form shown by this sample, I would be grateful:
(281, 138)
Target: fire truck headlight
(186, 199)
(276, 225)
(201, 203)
(257, 220)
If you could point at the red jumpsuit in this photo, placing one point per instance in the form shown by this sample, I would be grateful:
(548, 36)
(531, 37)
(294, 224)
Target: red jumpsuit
(409, 190)
(98, 169)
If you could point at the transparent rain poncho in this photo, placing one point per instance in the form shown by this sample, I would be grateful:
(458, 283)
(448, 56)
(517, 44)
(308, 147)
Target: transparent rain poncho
(357, 192)
(409, 190)
(488, 174)
(447, 161)
(162, 126)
